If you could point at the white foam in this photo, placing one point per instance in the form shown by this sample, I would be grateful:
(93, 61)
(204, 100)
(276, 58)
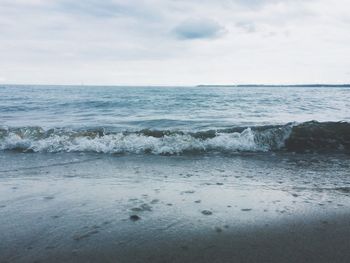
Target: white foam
(139, 143)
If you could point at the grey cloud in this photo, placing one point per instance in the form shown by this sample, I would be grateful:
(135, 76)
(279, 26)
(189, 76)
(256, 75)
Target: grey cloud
(61, 38)
(198, 29)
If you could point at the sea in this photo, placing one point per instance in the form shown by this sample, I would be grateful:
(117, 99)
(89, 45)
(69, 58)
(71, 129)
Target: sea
(119, 120)
(147, 174)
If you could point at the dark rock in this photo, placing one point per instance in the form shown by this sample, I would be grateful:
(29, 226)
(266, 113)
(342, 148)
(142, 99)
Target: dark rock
(154, 201)
(207, 212)
(134, 217)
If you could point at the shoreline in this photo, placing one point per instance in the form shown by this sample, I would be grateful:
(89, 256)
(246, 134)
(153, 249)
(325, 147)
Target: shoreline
(321, 239)
(259, 208)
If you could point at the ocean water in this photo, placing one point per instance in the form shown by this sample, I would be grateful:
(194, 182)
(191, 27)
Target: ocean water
(174, 120)
(132, 174)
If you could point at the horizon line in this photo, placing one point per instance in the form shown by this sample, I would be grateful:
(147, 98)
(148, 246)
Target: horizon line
(183, 85)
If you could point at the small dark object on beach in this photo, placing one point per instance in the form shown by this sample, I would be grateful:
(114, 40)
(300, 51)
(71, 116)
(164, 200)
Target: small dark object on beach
(188, 192)
(218, 229)
(143, 207)
(246, 209)
(343, 189)
(207, 212)
(79, 237)
(134, 217)
(154, 201)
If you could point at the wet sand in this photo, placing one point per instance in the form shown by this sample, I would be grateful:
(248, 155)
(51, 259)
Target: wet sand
(107, 208)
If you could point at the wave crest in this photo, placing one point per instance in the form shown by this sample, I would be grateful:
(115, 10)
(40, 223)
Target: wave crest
(305, 137)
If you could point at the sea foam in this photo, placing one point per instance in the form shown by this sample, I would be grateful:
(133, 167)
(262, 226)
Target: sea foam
(304, 137)
(39, 140)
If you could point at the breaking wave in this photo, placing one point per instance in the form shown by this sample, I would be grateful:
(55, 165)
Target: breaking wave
(305, 137)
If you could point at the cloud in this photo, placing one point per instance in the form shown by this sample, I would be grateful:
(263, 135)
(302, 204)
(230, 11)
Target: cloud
(153, 41)
(106, 8)
(248, 27)
(198, 29)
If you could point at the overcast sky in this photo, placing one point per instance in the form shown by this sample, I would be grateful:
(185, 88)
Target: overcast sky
(174, 42)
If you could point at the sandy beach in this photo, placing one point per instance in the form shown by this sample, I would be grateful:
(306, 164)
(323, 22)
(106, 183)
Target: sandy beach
(174, 131)
(109, 208)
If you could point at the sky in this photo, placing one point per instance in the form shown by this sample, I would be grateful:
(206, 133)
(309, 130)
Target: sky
(174, 42)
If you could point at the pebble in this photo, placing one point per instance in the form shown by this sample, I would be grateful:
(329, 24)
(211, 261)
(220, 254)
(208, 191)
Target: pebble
(134, 217)
(207, 212)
